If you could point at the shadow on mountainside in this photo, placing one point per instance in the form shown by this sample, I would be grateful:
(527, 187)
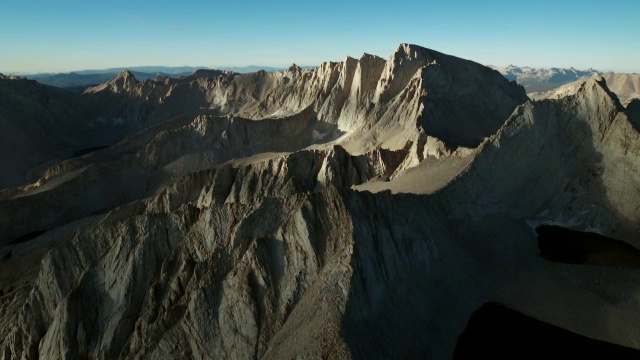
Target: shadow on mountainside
(143, 169)
(497, 332)
(633, 111)
(38, 124)
(559, 244)
(42, 124)
(423, 264)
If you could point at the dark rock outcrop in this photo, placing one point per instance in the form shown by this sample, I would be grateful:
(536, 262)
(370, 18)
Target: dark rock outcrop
(236, 222)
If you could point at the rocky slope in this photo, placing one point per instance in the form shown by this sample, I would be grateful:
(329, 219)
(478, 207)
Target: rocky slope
(42, 125)
(358, 96)
(362, 209)
(39, 124)
(625, 86)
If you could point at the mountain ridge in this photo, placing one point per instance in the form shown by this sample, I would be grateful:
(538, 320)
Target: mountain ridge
(85, 78)
(360, 209)
(533, 79)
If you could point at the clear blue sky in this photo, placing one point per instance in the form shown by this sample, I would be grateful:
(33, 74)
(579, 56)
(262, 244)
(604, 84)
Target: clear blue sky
(65, 35)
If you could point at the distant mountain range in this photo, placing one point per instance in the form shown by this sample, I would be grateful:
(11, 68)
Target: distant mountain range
(556, 83)
(534, 80)
(79, 80)
(168, 70)
(539, 79)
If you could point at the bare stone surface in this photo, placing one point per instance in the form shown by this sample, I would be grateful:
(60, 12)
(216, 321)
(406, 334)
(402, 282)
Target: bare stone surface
(362, 209)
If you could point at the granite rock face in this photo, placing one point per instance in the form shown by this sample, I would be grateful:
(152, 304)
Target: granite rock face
(362, 209)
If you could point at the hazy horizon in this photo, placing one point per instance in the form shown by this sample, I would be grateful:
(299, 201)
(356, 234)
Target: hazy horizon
(223, 67)
(70, 35)
(137, 68)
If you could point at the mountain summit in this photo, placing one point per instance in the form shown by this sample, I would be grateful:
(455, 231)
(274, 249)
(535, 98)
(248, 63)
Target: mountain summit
(367, 208)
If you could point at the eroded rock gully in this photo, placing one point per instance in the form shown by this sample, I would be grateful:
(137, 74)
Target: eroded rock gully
(361, 209)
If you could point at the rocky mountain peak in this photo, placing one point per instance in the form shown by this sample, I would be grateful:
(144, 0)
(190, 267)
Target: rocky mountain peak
(294, 68)
(412, 52)
(234, 218)
(590, 90)
(126, 75)
(370, 57)
(201, 74)
(600, 85)
(399, 69)
(10, 77)
(124, 81)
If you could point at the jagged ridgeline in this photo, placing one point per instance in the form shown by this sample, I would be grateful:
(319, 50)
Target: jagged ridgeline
(360, 209)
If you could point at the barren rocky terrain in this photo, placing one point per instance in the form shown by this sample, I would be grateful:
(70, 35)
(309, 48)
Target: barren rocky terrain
(361, 209)
(625, 86)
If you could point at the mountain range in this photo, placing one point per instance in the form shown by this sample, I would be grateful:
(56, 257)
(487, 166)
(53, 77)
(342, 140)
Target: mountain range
(540, 79)
(420, 206)
(535, 80)
(79, 80)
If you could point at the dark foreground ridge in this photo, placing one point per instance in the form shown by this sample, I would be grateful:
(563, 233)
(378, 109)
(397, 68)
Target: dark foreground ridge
(497, 332)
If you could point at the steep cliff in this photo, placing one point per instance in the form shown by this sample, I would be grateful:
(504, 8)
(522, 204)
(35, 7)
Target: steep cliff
(362, 209)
